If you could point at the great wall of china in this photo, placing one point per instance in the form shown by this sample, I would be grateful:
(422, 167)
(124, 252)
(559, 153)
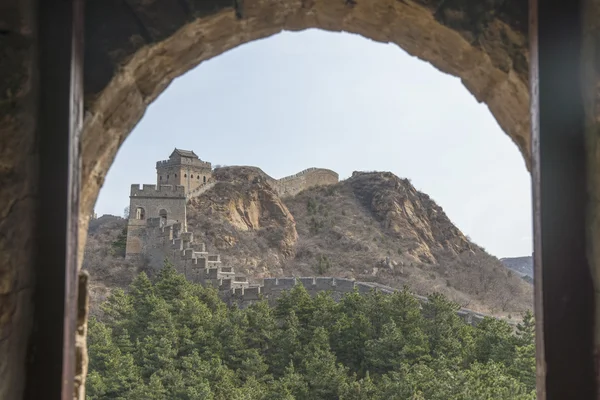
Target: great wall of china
(157, 230)
(197, 265)
(310, 177)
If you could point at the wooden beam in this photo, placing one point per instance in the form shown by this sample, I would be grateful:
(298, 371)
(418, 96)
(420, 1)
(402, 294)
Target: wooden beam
(51, 364)
(564, 300)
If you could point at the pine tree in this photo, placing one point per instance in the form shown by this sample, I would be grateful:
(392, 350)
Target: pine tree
(325, 378)
(526, 330)
(171, 285)
(173, 339)
(493, 341)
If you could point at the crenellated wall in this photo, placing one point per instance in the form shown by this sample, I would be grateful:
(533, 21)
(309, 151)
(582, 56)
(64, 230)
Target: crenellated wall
(153, 191)
(190, 258)
(152, 201)
(157, 239)
(272, 288)
(188, 172)
(311, 177)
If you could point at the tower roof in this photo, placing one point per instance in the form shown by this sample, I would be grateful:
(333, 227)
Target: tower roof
(183, 153)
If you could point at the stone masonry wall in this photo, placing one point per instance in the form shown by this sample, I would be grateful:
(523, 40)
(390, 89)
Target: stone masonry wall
(193, 177)
(19, 94)
(191, 259)
(152, 199)
(190, 176)
(272, 288)
(311, 177)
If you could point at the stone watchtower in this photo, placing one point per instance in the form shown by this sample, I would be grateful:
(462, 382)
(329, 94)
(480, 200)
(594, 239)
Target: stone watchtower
(183, 168)
(164, 204)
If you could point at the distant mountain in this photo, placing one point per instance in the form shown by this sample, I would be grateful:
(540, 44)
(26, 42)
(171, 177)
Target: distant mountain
(522, 265)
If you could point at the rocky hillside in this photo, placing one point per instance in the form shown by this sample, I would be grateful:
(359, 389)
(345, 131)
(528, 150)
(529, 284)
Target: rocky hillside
(370, 227)
(104, 257)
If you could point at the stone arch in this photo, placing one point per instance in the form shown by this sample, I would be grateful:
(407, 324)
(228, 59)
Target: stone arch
(483, 43)
(163, 215)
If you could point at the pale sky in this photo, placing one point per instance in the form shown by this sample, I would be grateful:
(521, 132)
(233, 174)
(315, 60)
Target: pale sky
(339, 101)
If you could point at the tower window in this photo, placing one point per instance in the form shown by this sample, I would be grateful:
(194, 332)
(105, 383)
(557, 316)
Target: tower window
(163, 217)
(184, 175)
(139, 213)
(192, 176)
(160, 178)
(175, 175)
(167, 176)
(204, 179)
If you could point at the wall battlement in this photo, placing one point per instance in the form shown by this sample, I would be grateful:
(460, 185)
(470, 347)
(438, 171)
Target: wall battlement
(272, 288)
(304, 172)
(184, 161)
(308, 178)
(157, 191)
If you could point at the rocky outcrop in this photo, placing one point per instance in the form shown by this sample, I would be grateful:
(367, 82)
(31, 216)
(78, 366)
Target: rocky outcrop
(372, 226)
(244, 200)
(409, 215)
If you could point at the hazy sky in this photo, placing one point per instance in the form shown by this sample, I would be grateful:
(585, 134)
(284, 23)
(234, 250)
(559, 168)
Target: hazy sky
(339, 101)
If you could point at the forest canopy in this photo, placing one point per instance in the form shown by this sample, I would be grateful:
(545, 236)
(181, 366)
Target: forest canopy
(170, 339)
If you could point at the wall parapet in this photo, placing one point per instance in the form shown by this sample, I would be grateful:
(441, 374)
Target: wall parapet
(308, 178)
(149, 190)
(307, 171)
(271, 288)
(184, 161)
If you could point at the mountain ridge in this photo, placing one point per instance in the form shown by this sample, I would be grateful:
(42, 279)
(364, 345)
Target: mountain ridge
(372, 227)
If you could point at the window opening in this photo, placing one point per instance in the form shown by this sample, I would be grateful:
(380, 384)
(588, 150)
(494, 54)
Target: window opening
(140, 213)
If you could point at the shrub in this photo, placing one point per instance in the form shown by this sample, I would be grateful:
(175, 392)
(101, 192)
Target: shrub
(311, 206)
(323, 264)
(117, 248)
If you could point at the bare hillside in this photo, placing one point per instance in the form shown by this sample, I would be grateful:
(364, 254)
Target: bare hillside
(370, 227)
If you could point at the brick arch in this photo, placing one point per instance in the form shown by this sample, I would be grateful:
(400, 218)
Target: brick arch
(135, 49)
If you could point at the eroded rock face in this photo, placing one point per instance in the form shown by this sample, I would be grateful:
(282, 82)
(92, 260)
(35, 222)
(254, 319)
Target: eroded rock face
(243, 200)
(409, 215)
(135, 49)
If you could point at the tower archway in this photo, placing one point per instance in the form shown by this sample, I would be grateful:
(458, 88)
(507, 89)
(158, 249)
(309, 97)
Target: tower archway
(163, 217)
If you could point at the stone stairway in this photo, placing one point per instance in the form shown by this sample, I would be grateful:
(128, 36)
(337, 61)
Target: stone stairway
(197, 264)
(199, 190)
